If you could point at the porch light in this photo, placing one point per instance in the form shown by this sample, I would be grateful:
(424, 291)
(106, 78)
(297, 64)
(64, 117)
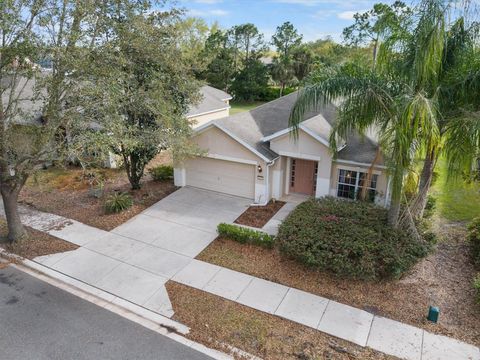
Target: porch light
(259, 169)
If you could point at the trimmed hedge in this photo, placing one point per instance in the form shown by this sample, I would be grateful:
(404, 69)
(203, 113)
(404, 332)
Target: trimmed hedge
(245, 235)
(349, 239)
(161, 173)
(474, 238)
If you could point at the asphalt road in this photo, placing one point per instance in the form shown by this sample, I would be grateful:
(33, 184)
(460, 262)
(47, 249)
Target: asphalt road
(39, 321)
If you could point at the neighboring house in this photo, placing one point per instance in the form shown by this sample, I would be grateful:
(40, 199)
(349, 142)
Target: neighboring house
(214, 105)
(254, 155)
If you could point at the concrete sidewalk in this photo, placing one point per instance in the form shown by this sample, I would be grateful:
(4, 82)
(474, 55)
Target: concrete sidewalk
(343, 321)
(134, 261)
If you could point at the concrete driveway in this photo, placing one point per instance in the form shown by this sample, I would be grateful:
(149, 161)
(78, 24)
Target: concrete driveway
(136, 259)
(184, 222)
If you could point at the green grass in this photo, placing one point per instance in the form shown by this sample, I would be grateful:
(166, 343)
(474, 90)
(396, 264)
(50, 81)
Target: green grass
(238, 107)
(456, 200)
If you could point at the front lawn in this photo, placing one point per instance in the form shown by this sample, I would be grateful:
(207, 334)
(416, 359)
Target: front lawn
(81, 195)
(442, 279)
(215, 321)
(456, 200)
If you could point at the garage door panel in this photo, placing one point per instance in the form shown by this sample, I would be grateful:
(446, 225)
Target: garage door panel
(222, 176)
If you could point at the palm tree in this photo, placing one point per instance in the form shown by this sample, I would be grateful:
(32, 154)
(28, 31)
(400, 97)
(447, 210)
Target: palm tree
(404, 97)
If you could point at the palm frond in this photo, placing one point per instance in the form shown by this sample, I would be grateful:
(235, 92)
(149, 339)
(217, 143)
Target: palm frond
(462, 144)
(364, 99)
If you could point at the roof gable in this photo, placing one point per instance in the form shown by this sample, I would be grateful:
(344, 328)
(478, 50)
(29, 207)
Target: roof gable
(212, 100)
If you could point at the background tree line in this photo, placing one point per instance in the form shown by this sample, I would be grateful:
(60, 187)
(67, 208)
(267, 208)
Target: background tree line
(242, 62)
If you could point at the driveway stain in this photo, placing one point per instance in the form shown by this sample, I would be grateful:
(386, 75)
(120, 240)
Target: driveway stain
(7, 280)
(40, 294)
(12, 300)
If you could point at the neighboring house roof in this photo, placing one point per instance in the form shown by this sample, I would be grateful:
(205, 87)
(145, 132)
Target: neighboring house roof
(212, 100)
(259, 126)
(27, 104)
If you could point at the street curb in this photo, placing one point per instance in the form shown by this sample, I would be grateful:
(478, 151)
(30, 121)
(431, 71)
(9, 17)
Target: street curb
(153, 321)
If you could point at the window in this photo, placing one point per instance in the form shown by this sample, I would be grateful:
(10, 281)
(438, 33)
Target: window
(350, 184)
(292, 173)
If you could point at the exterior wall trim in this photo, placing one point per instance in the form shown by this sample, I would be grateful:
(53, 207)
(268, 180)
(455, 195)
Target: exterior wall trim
(230, 158)
(300, 156)
(208, 112)
(348, 162)
(302, 127)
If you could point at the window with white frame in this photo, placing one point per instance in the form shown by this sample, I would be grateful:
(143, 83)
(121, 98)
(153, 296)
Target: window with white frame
(350, 184)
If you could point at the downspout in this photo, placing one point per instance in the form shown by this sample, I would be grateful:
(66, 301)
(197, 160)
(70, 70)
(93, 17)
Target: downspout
(267, 185)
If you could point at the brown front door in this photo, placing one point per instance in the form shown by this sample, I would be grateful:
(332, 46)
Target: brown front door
(302, 176)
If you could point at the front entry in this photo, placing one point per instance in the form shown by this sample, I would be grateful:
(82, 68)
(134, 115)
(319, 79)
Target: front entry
(303, 175)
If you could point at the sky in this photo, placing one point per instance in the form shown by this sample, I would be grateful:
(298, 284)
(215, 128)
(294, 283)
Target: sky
(314, 19)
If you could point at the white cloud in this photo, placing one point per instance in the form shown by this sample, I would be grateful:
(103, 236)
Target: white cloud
(342, 3)
(348, 15)
(208, 1)
(323, 14)
(219, 12)
(213, 12)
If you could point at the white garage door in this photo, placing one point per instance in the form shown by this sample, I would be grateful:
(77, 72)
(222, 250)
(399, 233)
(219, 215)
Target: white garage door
(223, 176)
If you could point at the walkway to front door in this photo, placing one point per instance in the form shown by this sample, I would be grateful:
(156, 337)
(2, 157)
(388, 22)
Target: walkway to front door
(302, 176)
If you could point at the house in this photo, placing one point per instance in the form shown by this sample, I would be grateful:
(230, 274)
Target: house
(254, 155)
(213, 105)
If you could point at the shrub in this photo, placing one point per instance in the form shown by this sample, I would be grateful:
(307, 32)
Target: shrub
(430, 206)
(118, 202)
(161, 173)
(272, 93)
(474, 238)
(350, 239)
(245, 235)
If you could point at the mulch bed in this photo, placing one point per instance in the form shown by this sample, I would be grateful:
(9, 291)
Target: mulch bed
(442, 279)
(258, 216)
(214, 320)
(36, 243)
(68, 194)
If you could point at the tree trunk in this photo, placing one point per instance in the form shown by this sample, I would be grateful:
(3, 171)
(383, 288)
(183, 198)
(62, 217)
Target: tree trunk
(395, 205)
(16, 230)
(282, 89)
(375, 50)
(134, 174)
(418, 207)
(394, 212)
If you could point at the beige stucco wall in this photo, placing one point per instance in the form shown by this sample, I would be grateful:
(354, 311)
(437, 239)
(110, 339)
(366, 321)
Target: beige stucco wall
(203, 119)
(216, 142)
(306, 147)
(221, 146)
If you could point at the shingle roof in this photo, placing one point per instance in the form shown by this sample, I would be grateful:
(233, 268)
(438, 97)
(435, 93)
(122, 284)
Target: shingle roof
(28, 105)
(252, 126)
(212, 100)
